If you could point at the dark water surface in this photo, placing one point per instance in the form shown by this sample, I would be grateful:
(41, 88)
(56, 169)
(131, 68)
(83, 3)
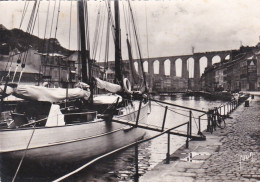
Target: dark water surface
(123, 166)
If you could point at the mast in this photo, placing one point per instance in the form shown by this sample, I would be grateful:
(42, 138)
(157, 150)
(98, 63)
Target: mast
(85, 59)
(83, 51)
(118, 69)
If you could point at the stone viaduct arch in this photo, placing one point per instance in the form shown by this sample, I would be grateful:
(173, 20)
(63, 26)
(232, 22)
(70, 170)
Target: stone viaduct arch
(184, 58)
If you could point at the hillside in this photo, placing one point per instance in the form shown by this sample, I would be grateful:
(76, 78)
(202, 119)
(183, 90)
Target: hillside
(21, 40)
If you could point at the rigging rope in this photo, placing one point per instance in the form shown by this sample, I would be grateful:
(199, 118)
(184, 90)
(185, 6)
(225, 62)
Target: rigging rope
(70, 22)
(24, 12)
(86, 23)
(107, 42)
(138, 46)
(111, 19)
(28, 31)
(57, 21)
(103, 24)
(147, 45)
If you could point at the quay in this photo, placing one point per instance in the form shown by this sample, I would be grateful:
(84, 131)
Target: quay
(230, 154)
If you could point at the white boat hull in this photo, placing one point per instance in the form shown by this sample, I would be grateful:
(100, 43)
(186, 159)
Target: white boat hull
(70, 143)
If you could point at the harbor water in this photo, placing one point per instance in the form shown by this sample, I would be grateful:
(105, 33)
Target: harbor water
(130, 164)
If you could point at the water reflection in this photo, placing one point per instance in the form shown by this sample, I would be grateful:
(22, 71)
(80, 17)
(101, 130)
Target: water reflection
(131, 163)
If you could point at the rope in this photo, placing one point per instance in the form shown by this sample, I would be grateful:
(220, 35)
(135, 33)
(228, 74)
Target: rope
(147, 45)
(30, 31)
(24, 12)
(57, 21)
(24, 154)
(138, 45)
(86, 23)
(20, 77)
(52, 18)
(171, 109)
(103, 24)
(111, 19)
(95, 39)
(107, 41)
(70, 22)
(15, 73)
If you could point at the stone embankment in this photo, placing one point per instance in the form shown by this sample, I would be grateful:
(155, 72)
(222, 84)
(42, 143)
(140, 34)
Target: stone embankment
(231, 154)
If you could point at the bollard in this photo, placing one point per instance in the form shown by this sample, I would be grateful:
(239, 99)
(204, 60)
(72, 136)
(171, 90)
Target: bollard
(225, 110)
(247, 103)
(252, 96)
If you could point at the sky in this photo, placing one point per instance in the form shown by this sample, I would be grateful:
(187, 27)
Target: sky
(170, 27)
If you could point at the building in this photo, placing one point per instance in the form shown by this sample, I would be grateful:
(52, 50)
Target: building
(241, 73)
(29, 75)
(58, 70)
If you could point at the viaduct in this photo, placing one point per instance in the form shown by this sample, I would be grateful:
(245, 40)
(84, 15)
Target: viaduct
(223, 55)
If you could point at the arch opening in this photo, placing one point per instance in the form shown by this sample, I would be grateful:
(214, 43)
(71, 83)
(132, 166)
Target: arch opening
(145, 65)
(156, 65)
(136, 66)
(203, 64)
(227, 57)
(178, 64)
(167, 67)
(216, 59)
(190, 67)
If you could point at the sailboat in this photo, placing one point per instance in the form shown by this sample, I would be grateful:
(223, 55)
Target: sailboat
(56, 125)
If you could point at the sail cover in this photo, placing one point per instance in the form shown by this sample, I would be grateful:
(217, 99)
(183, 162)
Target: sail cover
(40, 93)
(111, 87)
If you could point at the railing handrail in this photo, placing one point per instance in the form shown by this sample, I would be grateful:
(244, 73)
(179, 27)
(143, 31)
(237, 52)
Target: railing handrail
(189, 108)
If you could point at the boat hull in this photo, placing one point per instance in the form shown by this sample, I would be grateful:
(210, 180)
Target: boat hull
(70, 143)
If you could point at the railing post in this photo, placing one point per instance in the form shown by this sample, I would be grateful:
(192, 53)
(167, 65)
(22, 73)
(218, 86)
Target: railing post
(168, 150)
(199, 132)
(164, 117)
(208, 116)
(225, 110)
(187, 139)
(190, 124)
(138, 114)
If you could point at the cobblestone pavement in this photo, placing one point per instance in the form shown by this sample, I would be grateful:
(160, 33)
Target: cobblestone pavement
(231, 154)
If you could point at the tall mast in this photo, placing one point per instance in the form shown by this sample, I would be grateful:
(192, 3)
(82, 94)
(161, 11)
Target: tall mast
(83, 51)
(118, 71)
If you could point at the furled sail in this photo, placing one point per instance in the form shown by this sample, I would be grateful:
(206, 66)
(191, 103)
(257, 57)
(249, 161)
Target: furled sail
(40, 93)
(111, 87)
